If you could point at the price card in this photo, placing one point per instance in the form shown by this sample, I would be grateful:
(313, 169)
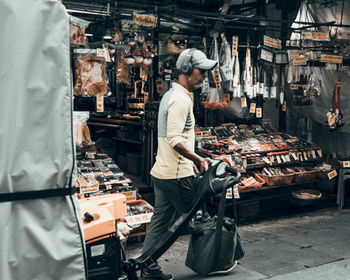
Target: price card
(278, 159)
(252, 108)
(272, 159)
(319, 152)
(294, 156)
(313, 153)
(305, 156)
(236, 191)
(284, 106)
(259, 112)
(346, 164)
(99, 104)
(234, 45)
(249, 181)
(265, 159)
(287, 158)
(332, 174)
(243, 102)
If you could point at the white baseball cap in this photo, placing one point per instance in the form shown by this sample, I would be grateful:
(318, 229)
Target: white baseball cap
(197, 59)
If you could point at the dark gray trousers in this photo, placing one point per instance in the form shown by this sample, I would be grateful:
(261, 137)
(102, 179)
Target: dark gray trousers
(173, 196)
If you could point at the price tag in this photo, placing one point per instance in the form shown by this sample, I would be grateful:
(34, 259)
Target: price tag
(272, 159)
(319, 152)
(346, 164)
(227, 98)
(294, 156)
(332, 174)
(249, 181)
(265, 159)
(217, 79)
(243, 102)
(278, 159)
(234, 45)
(236, 191)
(313, 153)
(284, 106)
(305, 155)
(99, 104)
(252, 108)
(259, 112)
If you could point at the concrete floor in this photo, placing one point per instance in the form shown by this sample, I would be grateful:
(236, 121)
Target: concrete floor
(312, 245)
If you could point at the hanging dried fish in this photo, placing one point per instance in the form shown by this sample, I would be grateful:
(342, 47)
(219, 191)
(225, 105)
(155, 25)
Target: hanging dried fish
(225, 60)
(335, 117)
(236, 77)
(248, 73)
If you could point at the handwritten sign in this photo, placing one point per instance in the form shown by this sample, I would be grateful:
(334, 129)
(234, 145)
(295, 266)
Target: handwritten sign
(145, 20)
(331, 58)
(272, 42)
(249, 181)
(332, 174)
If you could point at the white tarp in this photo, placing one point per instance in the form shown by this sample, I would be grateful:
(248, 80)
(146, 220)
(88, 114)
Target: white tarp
(41, 238)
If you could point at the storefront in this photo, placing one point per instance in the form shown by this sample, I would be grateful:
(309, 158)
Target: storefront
(91, 77)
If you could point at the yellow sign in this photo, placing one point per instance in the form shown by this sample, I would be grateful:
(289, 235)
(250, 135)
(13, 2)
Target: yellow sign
(320, 36)
(299, 61)
(332, 174)
(145, 20)
(331, 58)
(271, 42)
(234, 45)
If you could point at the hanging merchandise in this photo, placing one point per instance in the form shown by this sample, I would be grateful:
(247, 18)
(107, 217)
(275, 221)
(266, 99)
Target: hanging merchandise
(215, 98)
(236, 77)
(313, 87)
(91, 78)
(335, 117)
(282, 97)
(273, 89)
(248, 73)
(225, 58)
(267, 79)
(77, 31)
(205, 84)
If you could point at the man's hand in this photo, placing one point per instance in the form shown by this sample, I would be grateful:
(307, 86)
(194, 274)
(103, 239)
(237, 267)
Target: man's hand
(203, 164)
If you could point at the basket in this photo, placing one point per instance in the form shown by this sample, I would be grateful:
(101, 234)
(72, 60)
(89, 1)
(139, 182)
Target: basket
(307, 194)
(306, 176)
(259, 183)
(276, 180)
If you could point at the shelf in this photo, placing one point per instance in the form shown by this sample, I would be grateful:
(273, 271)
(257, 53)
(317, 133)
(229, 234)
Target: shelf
(279, 186)
(128, 140)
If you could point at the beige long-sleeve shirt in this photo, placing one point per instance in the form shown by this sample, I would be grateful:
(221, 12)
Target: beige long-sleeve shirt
(175, 124)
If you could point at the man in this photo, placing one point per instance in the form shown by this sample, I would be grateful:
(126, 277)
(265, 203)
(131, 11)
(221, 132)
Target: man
(176, 161)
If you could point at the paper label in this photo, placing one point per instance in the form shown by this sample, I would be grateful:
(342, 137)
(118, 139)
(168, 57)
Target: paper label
(227, 98)
(278, 159)
(138, 219)
(319, 152)
(101, 53)
(252, 108)
(272, 42)
(332, 174)
(294, 156)
(320, 36)
(98, 250)
(272, 159)
(305, 155)
(343, 35)
(283, 157)
(249, 181)
(145, 20)
(331, 58)
(234, 45)
(346, 164)
(296, 53)
(89, 188)
(284, 106)
(99, 104)
(266, 55)
(243, 102)
(287, 158)
(300, 156)
(299, 61)
(313, 153)
(217, 79)
(259, 112)
(236, 192)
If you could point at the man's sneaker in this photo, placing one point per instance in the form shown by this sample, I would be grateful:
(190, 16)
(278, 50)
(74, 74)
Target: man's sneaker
(155, 275)
(225, 269)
